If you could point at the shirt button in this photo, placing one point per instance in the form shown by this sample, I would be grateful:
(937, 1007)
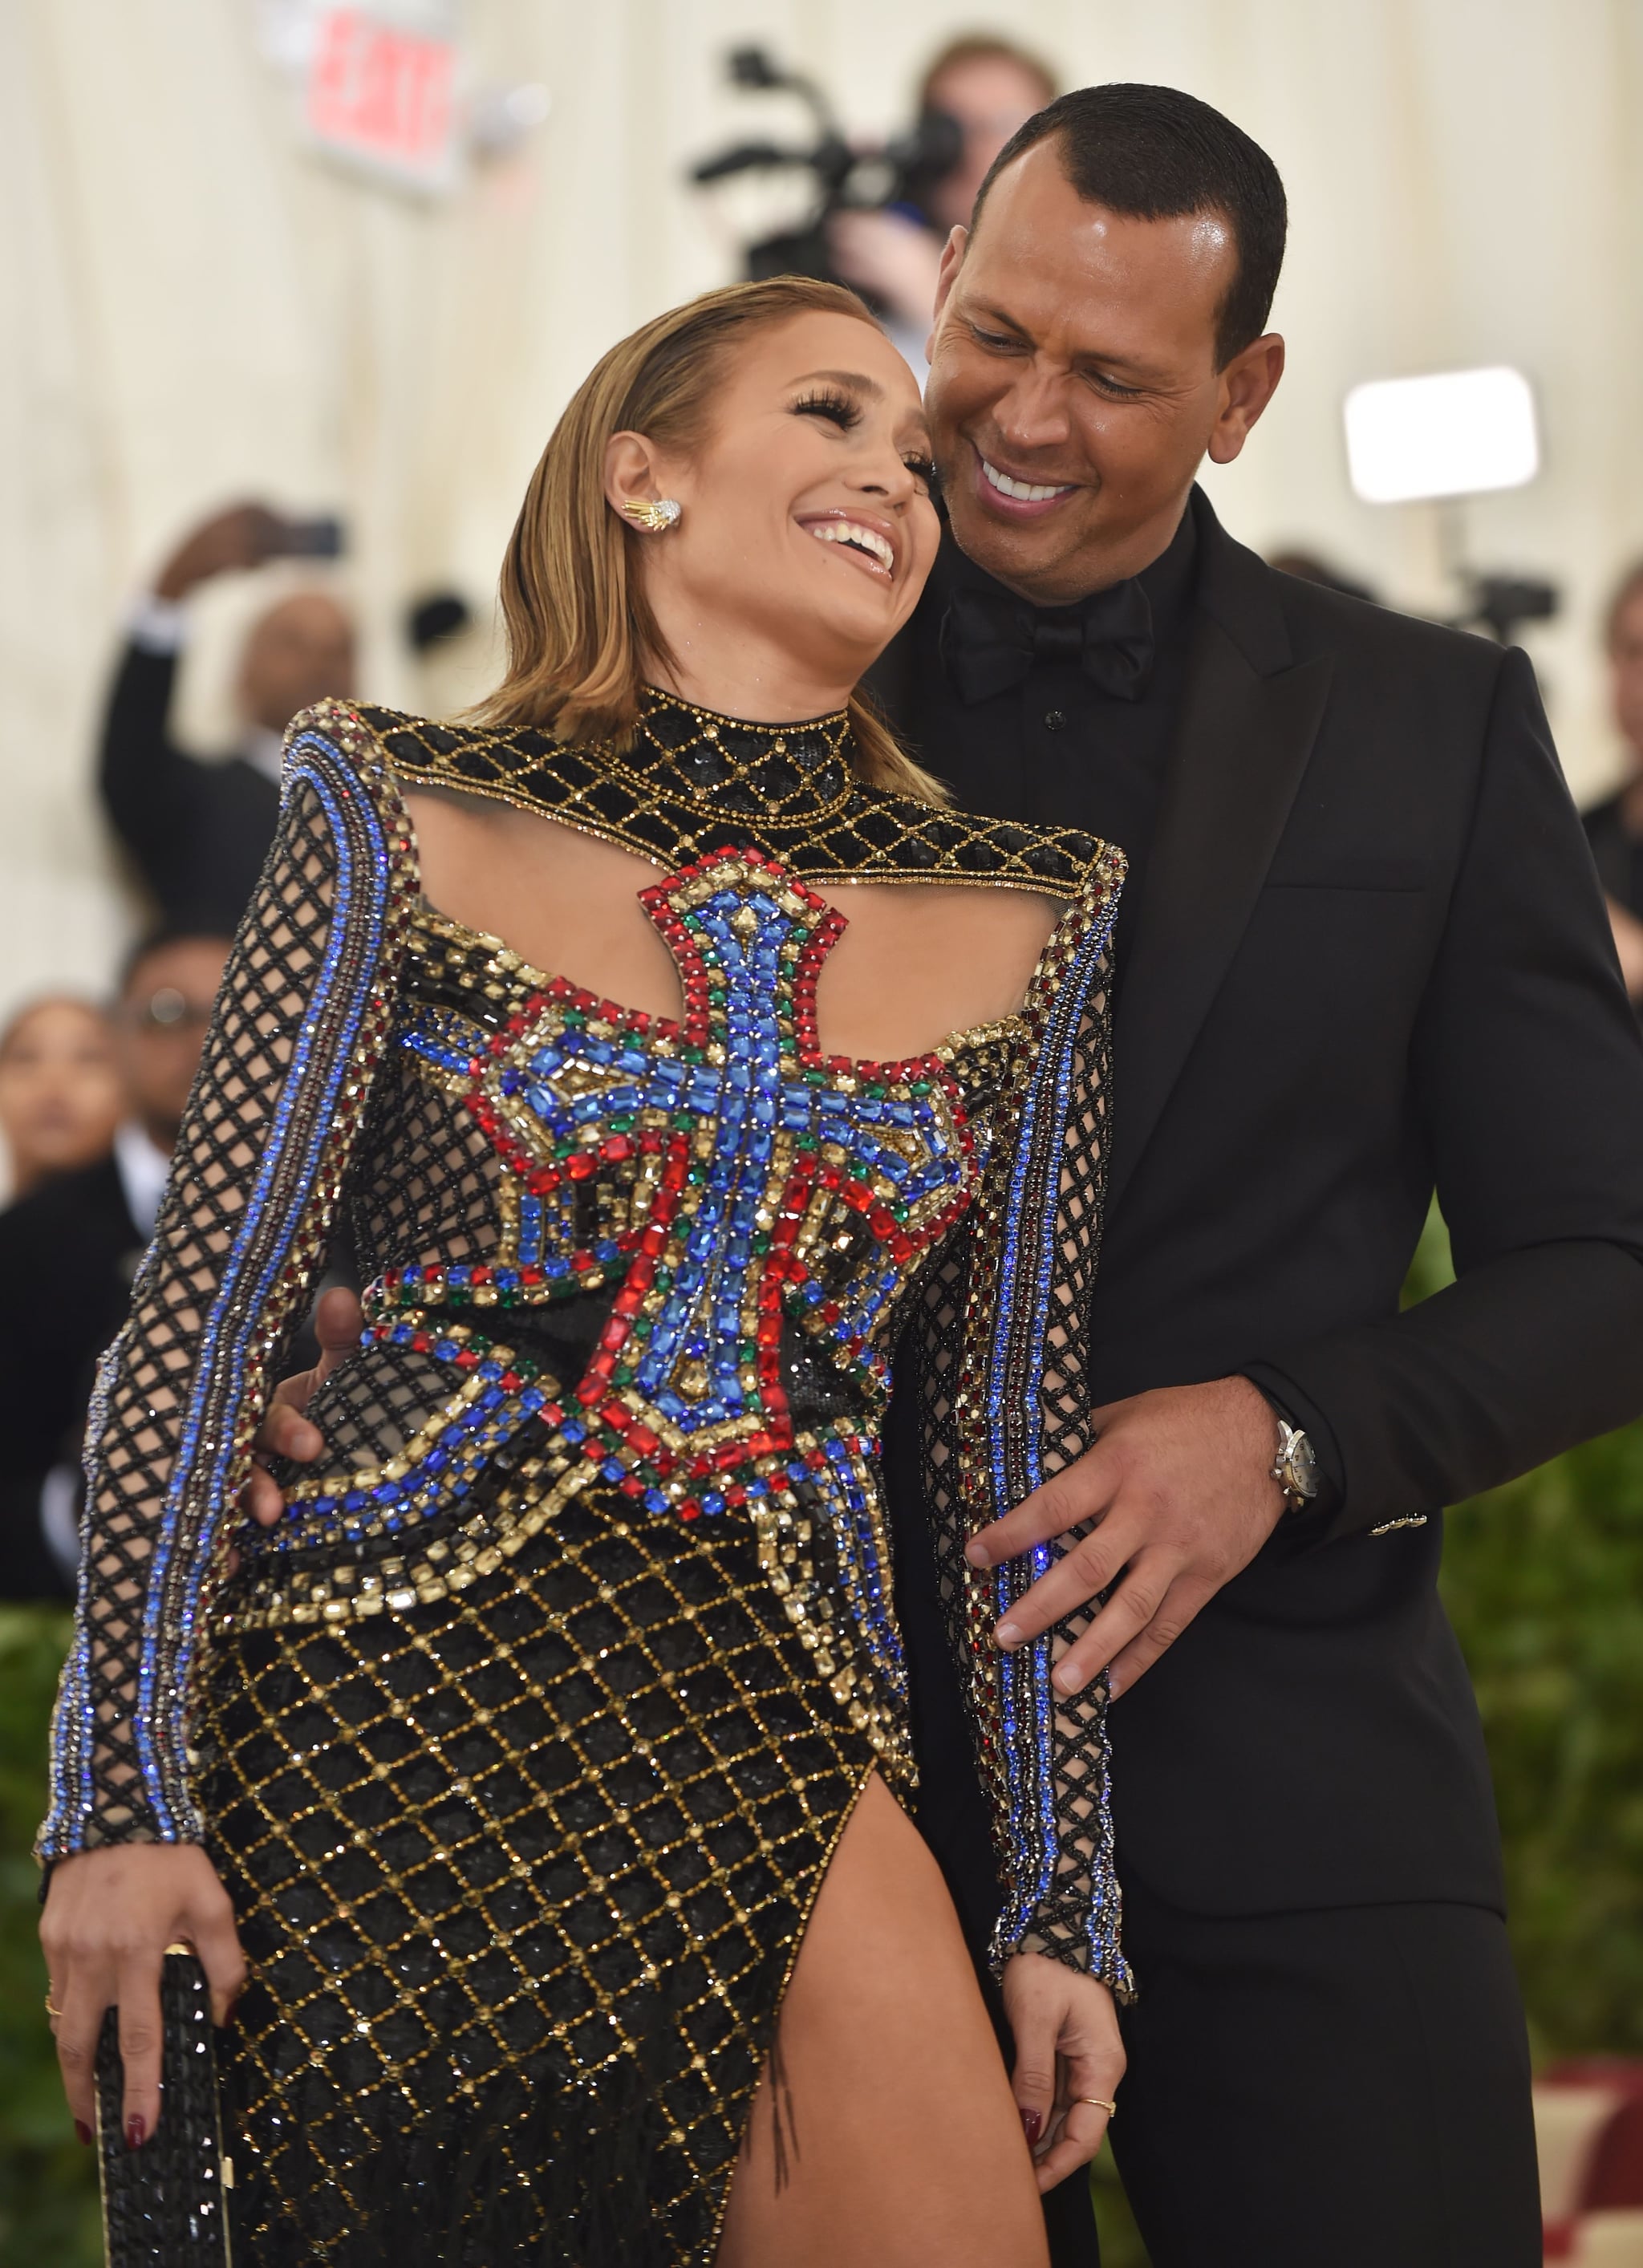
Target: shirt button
(1054, 719)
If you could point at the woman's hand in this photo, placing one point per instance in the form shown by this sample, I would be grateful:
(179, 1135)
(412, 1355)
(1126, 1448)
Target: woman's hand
(1067, 2047)
(109, 1916)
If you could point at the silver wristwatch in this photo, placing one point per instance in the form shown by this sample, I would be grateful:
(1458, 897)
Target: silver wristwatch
(1294, 1468)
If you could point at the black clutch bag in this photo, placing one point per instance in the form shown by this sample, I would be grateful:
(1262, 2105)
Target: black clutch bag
(165, 2206)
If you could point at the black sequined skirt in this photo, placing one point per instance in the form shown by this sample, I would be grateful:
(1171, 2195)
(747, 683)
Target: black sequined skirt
(520, 1875)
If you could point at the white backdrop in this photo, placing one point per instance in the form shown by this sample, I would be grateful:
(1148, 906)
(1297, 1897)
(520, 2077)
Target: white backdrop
(198, 308)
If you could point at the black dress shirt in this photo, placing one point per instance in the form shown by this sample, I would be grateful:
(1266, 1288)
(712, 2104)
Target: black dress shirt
(1056, 748)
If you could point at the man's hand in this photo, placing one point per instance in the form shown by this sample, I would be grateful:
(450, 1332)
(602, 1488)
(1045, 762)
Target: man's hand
(244, 536)
(338, 1320)
(1180, 1484)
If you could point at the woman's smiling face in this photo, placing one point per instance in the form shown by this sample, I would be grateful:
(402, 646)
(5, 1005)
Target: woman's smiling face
(806, 515)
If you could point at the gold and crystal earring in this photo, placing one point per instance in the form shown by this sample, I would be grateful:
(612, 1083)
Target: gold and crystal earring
(654, 519)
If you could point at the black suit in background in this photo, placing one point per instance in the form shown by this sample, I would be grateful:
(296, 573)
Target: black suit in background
(198, 832)
(68, 1253)
(1369, 957)
(1616, 853)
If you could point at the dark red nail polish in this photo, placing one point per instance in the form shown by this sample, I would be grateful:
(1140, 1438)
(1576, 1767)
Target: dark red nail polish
(82, 2130)
(1031, 2124)
(137, 2133)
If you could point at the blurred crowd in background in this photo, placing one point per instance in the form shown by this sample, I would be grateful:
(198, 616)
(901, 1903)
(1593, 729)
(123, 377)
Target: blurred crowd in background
(93, 1078)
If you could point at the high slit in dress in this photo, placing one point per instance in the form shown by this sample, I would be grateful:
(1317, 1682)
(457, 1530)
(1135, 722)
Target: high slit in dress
(522, 1743)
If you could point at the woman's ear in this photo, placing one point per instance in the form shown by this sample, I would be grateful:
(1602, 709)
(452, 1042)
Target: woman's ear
(631, 474)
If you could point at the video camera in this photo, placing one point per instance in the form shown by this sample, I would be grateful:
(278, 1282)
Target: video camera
(902, 173)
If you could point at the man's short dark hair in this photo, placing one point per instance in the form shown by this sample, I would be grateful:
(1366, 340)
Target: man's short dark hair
(1153, 153)
(185, 929)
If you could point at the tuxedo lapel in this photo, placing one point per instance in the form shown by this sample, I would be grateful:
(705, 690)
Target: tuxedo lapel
(1249, 719)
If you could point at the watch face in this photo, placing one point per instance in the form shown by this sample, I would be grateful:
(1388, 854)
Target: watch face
(1303, 1465)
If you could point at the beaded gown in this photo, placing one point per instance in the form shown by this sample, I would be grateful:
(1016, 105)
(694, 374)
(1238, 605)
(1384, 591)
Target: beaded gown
(523, 1742)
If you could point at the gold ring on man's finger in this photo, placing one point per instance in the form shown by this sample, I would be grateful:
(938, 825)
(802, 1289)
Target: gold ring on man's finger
(1098, 2103)
(51, 2011)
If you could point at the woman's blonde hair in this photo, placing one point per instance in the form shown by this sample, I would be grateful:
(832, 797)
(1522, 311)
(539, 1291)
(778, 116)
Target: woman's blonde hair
(579, 624)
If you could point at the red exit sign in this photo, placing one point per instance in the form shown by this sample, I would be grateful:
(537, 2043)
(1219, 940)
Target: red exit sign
(383, 95)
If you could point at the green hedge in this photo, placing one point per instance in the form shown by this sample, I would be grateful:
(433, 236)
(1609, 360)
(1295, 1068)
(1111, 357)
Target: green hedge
(49, 2209)
(1545, 1582)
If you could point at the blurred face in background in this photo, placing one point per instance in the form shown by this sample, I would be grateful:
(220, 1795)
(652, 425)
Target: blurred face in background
(1626, 657)
(299, 653)
(60, 1097)
(164, 1014)
(807, 518)
(989, 96)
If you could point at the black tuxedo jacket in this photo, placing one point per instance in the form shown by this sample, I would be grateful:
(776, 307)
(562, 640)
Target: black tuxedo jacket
(198, 832)
(68, 1253)
(1370, 960)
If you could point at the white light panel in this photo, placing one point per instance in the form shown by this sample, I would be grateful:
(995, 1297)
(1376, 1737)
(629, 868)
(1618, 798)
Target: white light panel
(1457, 433)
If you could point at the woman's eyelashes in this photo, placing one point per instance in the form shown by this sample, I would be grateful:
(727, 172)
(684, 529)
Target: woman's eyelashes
(839, 409)
(842, 412)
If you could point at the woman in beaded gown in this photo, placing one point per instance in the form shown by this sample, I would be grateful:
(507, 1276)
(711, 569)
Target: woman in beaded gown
(537, 1773)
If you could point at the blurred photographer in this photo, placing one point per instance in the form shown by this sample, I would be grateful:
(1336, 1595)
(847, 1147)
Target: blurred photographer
(199, 831)
(1614, 827)
(989, 86)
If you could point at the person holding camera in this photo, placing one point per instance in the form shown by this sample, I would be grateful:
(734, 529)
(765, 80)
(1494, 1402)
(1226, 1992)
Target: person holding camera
(1614, 827)
(199, 831)
(988, 86)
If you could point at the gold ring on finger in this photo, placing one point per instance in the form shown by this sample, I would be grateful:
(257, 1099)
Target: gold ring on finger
(52, 2012)
(1098, 2103)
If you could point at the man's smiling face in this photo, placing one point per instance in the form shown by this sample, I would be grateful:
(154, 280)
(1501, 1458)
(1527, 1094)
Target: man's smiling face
(1074, 387)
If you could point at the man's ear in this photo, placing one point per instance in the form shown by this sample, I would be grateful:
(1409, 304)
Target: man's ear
(1246, 385)
(952, 261)
(631, 473)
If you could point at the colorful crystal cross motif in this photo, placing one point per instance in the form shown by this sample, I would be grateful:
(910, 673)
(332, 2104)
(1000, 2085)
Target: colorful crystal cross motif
(748, 1182)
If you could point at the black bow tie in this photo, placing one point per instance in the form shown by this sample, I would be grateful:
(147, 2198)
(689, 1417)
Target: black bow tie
(990, 640)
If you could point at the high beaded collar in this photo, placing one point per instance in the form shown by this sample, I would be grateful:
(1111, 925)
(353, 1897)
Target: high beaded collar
(688, 783)
(792, 774)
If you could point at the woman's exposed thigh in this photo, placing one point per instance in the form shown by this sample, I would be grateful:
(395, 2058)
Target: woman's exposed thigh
(886, 2137)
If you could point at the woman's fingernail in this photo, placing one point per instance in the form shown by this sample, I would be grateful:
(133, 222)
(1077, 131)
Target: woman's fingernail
(1007, 1634)
(974, 1553)
(1031, 2126)
(83, 2131)
(1068, 1681)
(137, 2133)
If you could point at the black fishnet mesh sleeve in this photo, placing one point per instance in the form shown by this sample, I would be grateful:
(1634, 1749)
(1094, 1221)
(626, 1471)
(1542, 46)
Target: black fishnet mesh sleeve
(299, 1028)
(1044, 1758)
(1077, 1918)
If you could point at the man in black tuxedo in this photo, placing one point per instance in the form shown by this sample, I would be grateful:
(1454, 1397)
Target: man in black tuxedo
(68, 1252)
(1361, 953)
(198, 832)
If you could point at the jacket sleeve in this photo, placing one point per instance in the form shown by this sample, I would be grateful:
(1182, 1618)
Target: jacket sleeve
(300, 1027)
(1527, 1071)
(1003, 1382)
(150, 787)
